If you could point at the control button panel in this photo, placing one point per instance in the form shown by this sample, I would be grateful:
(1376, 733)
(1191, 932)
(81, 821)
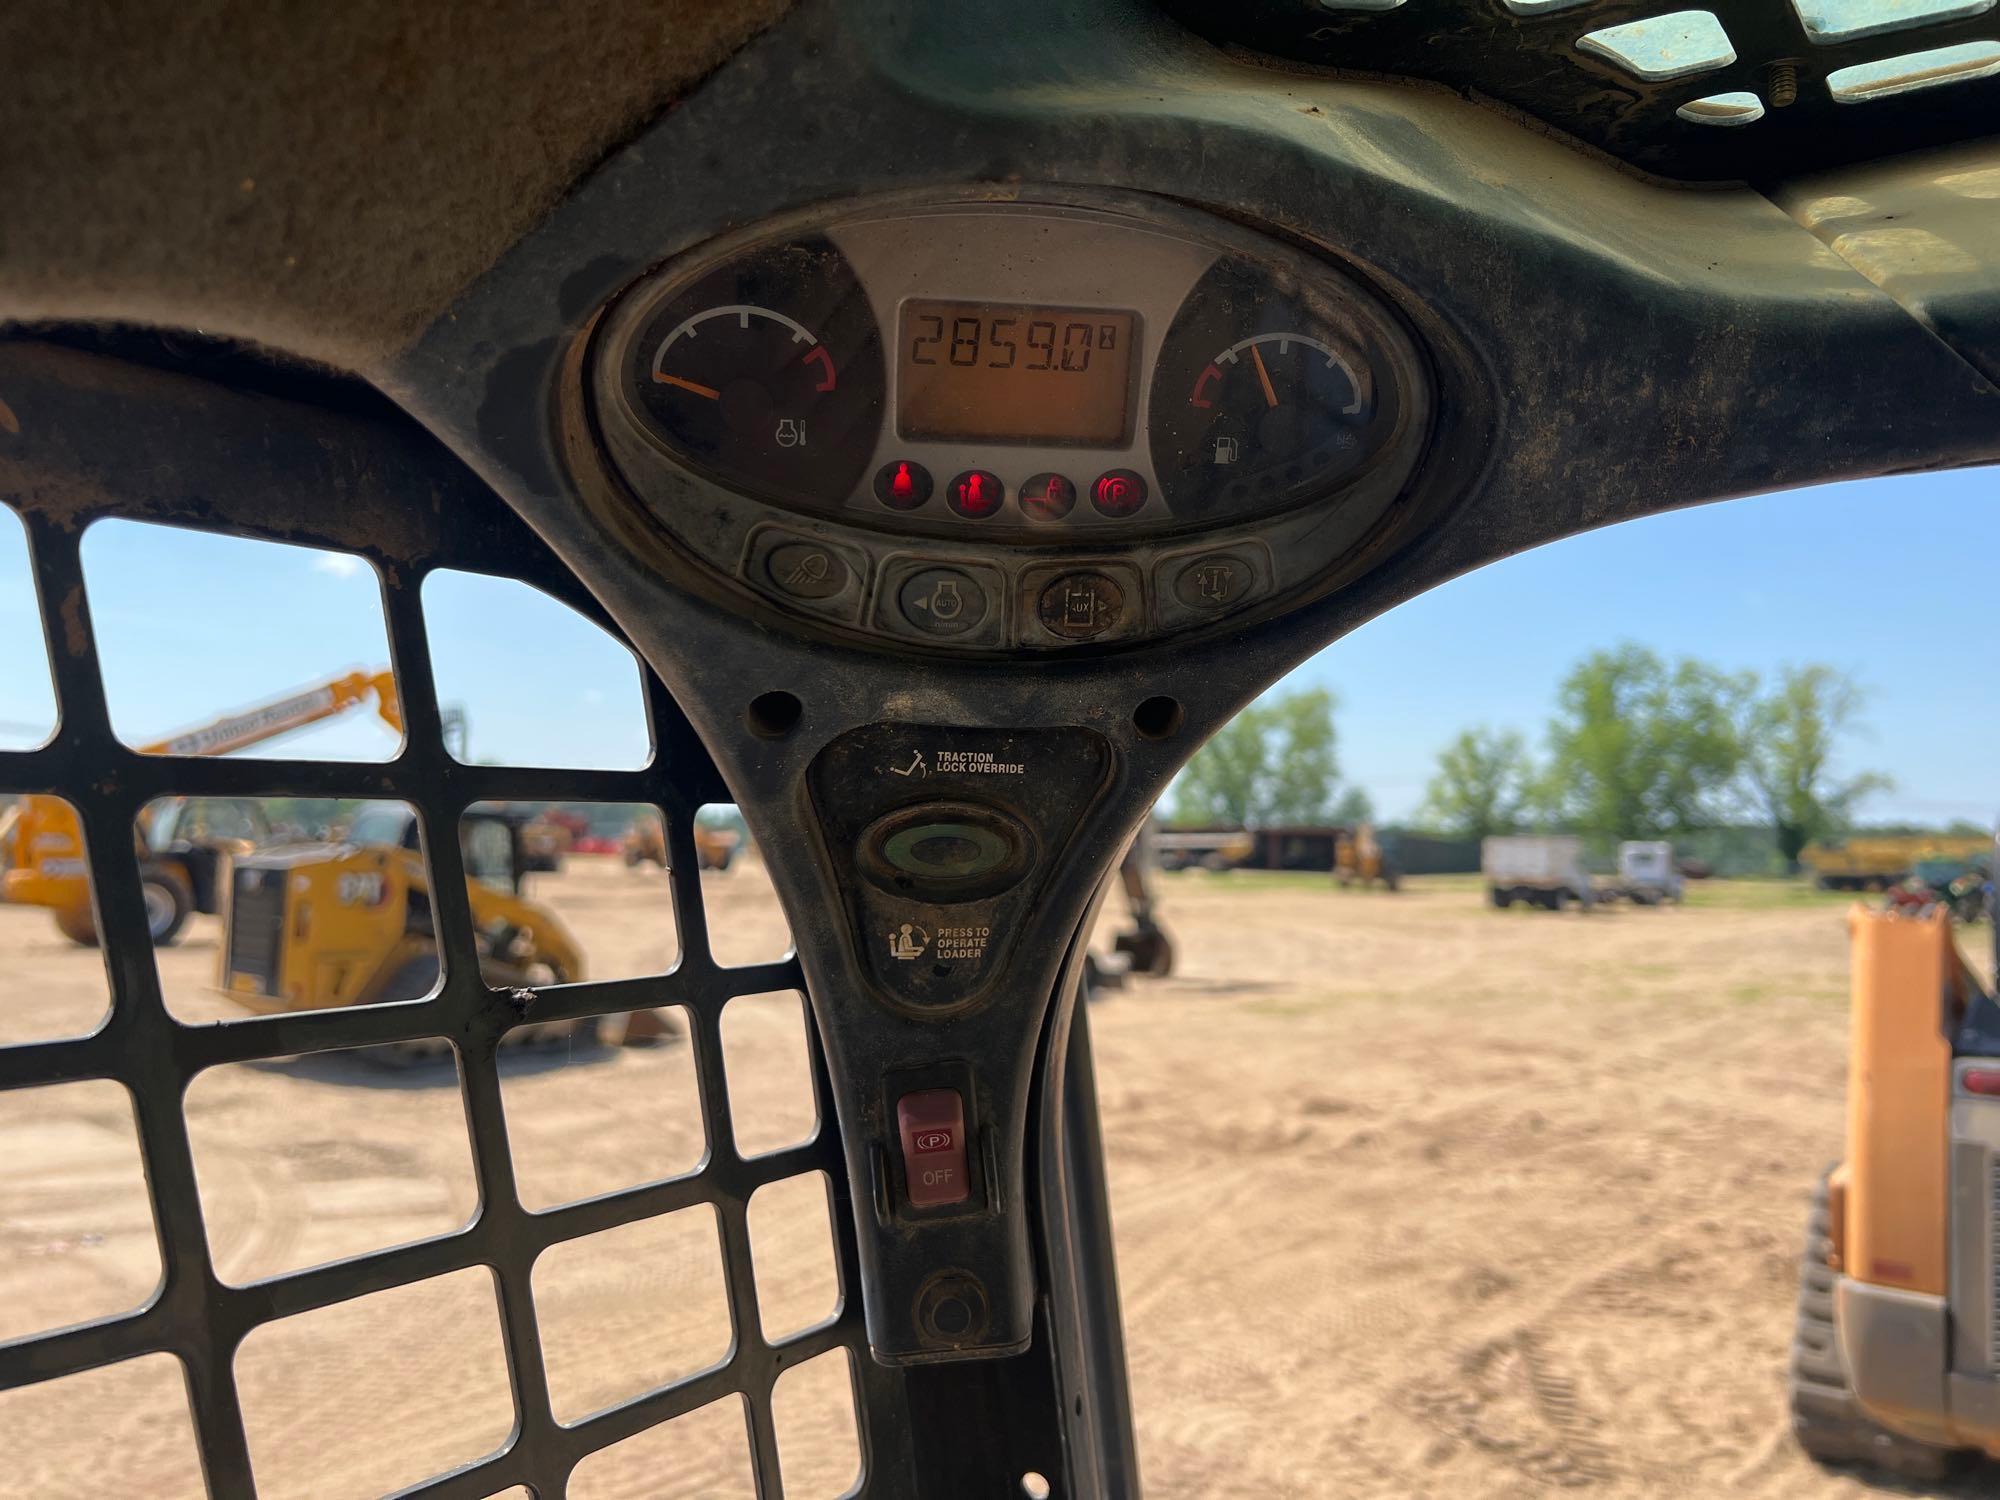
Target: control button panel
(941, 839)
(1001, 395)
(931, 1125)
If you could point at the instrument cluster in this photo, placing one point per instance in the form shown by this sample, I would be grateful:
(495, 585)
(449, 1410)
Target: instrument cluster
(995, 426)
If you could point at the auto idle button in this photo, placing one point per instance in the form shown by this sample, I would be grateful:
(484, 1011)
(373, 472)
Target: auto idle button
(942, 601)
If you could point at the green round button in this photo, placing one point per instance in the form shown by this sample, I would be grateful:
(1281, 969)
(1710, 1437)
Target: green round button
(947, 851)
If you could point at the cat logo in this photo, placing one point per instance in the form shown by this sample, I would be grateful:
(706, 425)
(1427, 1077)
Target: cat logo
(363, 888)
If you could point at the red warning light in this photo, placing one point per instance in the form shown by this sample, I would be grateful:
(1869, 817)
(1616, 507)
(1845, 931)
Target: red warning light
(975, 493)
(1118, 492)
(902, 485)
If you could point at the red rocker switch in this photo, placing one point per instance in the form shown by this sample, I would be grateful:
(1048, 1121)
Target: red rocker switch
(932, 1125)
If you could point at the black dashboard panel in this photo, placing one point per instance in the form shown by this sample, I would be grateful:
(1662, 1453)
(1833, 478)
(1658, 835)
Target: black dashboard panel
(1027, 425)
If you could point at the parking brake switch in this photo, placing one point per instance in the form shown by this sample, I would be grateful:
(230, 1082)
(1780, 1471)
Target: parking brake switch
(932, 1126)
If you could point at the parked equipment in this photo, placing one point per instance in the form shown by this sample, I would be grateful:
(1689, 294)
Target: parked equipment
(41, 842)
(1875, 864)
(1207, 848)
(320, 925)
(1647, 874)
(1896, 1360)
(1959, 887)
(1360, 858)
(646, 843)
(1543, 870)
(547, 839)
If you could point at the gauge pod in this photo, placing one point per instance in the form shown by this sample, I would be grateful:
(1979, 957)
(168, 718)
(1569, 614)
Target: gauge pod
(766, 373)
(1266, 392)
(986, 427)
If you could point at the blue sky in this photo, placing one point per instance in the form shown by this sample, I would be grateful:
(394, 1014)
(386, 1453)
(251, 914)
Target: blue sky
(192, 624)
(1891, 580)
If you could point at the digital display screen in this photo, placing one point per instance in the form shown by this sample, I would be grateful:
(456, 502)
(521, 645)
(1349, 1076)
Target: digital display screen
(998, 372)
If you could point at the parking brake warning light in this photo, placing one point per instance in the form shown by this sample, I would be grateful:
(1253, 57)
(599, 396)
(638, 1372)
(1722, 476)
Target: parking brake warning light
(932, 1126)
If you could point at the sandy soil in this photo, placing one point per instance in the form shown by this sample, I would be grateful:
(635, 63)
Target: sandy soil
(1412, 1198)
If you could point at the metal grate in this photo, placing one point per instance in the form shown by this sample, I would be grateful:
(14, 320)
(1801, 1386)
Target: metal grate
(256, 916)
(1532, 56)
(88, 437)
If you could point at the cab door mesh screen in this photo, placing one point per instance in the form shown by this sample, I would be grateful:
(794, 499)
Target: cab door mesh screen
(178, 439)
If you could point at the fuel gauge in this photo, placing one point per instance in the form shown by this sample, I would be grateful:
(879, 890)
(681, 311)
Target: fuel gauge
(767, 372)
(1261, 395)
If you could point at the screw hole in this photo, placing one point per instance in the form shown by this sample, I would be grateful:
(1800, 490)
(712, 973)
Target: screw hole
(1034, 1486)
(774, 715)
(1157, 718)
(942, 971)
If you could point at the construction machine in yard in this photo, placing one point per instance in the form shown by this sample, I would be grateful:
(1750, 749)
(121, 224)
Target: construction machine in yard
(645, 843)
(1876, 863)
(181, 856)
(349, 922)
(1359, 857)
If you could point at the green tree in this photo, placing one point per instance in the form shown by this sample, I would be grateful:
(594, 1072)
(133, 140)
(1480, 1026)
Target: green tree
(1353, 806)
(1273, 763)
(1788, 737)
(1303, 765)
(1639, 749)
(1482, 786)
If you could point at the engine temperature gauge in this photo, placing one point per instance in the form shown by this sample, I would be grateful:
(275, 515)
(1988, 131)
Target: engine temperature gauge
(1259, 397)
(767, 372)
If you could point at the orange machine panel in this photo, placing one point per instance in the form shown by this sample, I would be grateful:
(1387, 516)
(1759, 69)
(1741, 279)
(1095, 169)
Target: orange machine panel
(1907, 984)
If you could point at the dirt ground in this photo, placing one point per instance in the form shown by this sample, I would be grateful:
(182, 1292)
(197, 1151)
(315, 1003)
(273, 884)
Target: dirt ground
(1412, 1198)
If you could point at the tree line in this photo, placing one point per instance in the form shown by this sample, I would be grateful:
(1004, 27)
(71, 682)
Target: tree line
(1640, 747)
(1637, 747)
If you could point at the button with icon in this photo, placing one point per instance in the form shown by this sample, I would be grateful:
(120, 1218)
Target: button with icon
(1080, 606)
(902, 485)
(806, 570)
(1213, 583)
(1118, 492)
(942, 601)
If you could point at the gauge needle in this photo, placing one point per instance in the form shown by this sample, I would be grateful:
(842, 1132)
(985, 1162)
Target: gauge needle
(1263, 376)
(714, 395)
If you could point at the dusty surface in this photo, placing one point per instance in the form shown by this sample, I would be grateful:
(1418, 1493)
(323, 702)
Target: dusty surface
(1413, 1198)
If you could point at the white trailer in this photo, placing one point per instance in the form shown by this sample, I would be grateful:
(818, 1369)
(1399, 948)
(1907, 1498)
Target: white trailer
(1543, 870)
(1647, 874)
